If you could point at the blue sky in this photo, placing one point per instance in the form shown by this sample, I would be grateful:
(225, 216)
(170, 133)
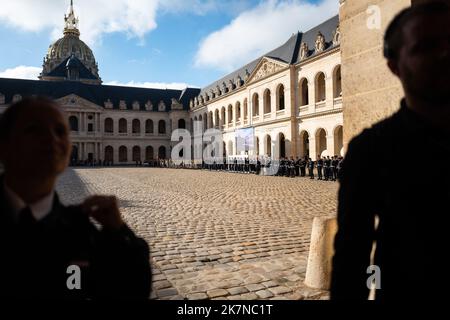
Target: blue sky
(156, 43)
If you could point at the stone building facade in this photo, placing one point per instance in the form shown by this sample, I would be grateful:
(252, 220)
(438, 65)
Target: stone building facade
(116, 124)
(290, 97)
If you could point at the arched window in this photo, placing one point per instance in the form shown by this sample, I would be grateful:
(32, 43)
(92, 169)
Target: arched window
(200, 119)
(282, 142)
(304, 93)
(136, 153)
(222, 116)
(210, 119)
(337, 82)
(255, 104)
(321, 141)
(109, 154)
(230, 114)
(320, 87)
(136, 126)
(267, 102)
(304, 144)
(162, 127)
(245, 109)
(257, 146)
(280, 97)
(338, 141)
(123, 126)
(268, 146)
(149, 153)
(74, 155)
(123, 154)
(216, 118)
(181, 124)
(73, 123)
(149, 126)
(238, 111)
(162, 152)
(109, 125)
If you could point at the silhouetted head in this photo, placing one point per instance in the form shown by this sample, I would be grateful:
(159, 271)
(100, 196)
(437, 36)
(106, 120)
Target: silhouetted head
(417, 46)
(34, 139)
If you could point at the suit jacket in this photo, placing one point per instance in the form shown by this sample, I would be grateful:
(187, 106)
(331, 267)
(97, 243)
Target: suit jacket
(34, 263)
(411, 203)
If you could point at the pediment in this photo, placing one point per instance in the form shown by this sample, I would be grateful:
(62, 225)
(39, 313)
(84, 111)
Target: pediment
(265, 68)
(74, 101)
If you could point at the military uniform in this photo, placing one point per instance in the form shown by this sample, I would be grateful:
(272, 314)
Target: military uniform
(319, 168)
(326, 168)
(311, 168)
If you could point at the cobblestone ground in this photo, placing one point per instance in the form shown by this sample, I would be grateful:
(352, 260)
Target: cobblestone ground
(215, 235)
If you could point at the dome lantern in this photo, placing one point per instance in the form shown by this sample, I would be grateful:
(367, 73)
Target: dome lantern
(70, 45)
(71, 22)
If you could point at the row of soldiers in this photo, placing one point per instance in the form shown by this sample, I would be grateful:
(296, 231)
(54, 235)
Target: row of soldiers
(327, 168)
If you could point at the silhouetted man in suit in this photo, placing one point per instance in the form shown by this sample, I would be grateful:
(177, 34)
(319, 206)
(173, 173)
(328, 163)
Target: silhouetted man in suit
(49, 250)
(413, 210)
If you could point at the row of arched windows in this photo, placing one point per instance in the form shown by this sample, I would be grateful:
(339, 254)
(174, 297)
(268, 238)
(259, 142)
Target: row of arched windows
(223, 116)
(217, 118)
(320, 92)
(123, 125)
(135, 154)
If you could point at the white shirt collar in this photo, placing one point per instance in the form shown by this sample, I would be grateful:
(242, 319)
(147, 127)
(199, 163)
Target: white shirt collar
(39, 209)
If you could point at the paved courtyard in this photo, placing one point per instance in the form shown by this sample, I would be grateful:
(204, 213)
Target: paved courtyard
(215, 235)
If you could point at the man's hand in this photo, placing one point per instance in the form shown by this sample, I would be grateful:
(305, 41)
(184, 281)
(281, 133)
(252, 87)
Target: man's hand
(105, 210)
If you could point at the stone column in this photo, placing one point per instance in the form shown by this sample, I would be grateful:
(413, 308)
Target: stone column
(130, 154)
(116, 155)
(261, 105)
(329, 94)
(312, 148)
(321, 251)
(226, 117)
(102, 156)
(83, 151)
(273, 102)
(312, 95)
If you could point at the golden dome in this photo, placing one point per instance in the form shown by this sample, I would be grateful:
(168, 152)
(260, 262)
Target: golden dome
(69, 44)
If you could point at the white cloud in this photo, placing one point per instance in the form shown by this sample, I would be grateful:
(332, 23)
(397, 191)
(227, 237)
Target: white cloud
(259, 30)
(132, 17)
(21, 72)
(153, 85)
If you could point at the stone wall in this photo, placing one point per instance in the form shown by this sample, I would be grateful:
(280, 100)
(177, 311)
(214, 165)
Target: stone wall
(370, 91)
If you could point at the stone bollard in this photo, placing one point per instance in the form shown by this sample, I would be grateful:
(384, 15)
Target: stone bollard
(321, 251)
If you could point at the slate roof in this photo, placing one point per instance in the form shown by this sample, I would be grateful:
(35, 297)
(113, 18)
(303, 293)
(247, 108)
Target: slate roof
(97, 94)
(61, 69)
(287, 53)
